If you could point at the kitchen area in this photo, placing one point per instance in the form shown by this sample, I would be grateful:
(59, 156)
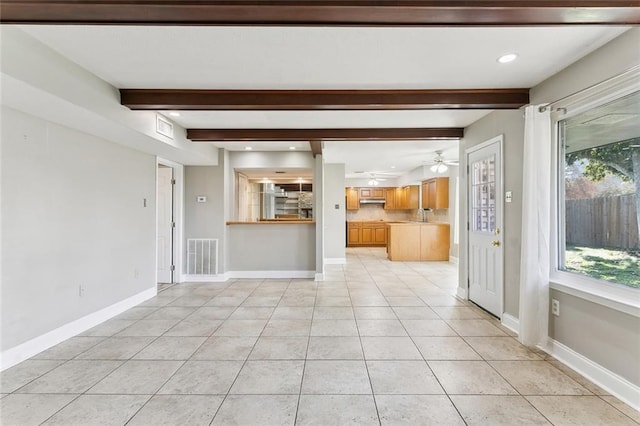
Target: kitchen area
(412, 222)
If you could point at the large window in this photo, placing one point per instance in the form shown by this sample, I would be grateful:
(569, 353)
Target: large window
(599, 192)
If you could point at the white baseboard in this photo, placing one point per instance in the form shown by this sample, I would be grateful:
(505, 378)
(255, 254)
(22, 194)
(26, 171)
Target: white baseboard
(453, 259)
(617, 386)
(271, 274)
(335, 260)
(319, 277)
(461, 293)
(511, 322)
(205, 278)
(26, 350)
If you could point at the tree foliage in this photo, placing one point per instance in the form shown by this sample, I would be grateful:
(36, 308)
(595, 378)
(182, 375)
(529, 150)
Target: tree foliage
(615, 158)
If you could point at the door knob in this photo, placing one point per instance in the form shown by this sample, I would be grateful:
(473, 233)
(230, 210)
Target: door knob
(495, 243)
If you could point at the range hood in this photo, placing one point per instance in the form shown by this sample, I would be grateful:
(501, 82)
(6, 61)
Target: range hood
(372, 201)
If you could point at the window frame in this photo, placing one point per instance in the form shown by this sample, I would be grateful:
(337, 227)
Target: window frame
(612, 295)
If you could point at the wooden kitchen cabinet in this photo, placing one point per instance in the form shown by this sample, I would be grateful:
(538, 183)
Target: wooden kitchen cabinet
(418, 241)
(407, 197)
(366, 193)
(353, 233)
(435, 193)
(412, 197)
(366, 234)
(390, 198)
(353, 198)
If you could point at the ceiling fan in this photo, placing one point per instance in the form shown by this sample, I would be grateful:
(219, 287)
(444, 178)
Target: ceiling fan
(440, 165)
(375, 179)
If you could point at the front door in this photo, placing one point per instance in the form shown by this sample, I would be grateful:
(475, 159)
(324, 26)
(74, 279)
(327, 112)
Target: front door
(165, 224)
(484, 183)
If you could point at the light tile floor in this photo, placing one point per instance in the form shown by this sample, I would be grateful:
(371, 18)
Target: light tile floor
(378, 342)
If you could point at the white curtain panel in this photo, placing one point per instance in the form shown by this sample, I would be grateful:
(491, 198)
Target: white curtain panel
(536, 213)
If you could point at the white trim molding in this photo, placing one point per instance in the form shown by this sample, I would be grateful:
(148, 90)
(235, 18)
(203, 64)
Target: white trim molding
(271, 274)
(511, 322)
(319, 277)
(26, 350)
(462, 293)
(454, 260)
(614, 296)
(607, 380)
(186, 278)
(335, 260)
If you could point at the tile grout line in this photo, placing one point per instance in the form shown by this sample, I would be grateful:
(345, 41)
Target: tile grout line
(306, 354)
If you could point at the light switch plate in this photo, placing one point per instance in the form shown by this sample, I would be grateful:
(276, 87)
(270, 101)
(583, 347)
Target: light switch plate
(508, 196)
(201, 198)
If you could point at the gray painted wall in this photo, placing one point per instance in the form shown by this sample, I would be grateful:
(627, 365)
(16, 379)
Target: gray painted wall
(612, 337)
(511, 125)
(72, 214)
(245, 247)
(606, 336)
(334, 219)
(205, 220)
(274, 247)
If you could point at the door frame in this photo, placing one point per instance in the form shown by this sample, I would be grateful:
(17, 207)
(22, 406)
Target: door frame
(178, 218)
(499, 202)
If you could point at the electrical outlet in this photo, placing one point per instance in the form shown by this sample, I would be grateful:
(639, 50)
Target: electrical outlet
(81, 290)
(555, 307)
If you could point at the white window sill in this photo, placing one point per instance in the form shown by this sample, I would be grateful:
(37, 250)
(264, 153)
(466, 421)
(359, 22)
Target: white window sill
(618, 297)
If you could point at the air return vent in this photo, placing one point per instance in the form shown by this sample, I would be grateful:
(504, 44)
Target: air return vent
(164, 126)
(202, 256)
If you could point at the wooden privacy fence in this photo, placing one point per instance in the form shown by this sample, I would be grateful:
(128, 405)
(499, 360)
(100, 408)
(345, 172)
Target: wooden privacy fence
(603, 222)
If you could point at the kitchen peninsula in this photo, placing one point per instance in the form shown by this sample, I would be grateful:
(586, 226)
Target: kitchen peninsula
(417, 241)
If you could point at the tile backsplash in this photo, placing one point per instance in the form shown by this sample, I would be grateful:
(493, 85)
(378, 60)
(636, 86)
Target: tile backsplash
(375, 212)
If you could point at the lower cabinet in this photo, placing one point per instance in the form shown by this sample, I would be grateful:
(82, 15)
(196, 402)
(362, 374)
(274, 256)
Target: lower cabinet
(366, 234)
(418, 241)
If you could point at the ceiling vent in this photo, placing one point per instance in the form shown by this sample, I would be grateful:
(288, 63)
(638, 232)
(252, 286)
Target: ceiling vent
(164, 127)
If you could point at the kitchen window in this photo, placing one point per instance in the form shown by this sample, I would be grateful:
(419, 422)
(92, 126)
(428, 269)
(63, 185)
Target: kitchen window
(598, 195)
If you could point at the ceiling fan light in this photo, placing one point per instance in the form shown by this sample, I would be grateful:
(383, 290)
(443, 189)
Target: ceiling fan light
(441, 168)
(434, 168)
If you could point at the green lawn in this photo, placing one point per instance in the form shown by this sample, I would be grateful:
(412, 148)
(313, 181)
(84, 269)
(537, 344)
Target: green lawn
(613, 265)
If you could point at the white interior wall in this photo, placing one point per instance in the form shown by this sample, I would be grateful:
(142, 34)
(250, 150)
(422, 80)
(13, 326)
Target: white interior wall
(73, 215)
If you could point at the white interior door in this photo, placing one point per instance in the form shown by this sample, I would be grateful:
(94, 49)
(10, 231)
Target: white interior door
(485, 226)
(165, 224)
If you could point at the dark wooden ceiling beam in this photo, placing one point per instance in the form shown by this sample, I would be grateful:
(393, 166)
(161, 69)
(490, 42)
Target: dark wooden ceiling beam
(257, 135)
(177, 99)
(316, 147)
(322, 12)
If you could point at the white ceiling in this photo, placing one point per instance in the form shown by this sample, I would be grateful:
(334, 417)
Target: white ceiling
(391, 159)
(321, 58)
(326, 58)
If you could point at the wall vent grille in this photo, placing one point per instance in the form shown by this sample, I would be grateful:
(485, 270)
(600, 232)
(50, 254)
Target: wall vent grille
(202, 256)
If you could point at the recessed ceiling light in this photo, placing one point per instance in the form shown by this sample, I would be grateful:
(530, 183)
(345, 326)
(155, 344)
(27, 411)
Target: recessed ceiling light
(248, 148)
(174, 114)
(393, 167)
(509, 57)
(292, 147)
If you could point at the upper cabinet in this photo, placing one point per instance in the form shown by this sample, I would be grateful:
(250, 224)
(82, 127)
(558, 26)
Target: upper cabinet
(368, 193)
(389, 198)
(435, 193)
(402, 198)
(353, 198)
